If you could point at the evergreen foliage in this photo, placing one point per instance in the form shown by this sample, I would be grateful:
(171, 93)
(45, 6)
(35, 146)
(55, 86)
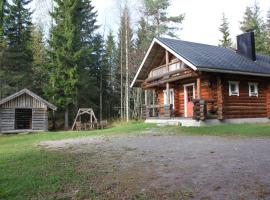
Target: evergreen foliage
(226, 41)
(160, 22)
(253, 21)
(18, 54)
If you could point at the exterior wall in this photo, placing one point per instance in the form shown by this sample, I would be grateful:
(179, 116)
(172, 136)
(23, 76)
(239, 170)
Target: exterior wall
(40, 119)
(24, 101)
(7, 119)
(178, 86)
(232, 107)
(39, 113)
(244, 106)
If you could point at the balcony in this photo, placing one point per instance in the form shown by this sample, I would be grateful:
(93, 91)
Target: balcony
(162, 70)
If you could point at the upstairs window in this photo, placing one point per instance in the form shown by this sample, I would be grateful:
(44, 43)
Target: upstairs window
(233, 88)
(253, 89)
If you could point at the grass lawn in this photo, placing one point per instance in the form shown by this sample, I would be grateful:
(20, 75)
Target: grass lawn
(29, 172)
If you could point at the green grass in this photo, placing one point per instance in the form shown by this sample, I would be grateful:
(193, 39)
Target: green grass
(28, 172)
(246, 130)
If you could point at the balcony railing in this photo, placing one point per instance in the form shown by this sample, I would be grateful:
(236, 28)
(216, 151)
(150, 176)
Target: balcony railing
(164, 69)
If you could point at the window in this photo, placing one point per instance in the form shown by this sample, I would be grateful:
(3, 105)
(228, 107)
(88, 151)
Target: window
(171, 97)
(253, 89)
(233, 88)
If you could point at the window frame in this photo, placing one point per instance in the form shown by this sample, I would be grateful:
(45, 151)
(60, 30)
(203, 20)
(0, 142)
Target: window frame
(236, 83)
(256, 89)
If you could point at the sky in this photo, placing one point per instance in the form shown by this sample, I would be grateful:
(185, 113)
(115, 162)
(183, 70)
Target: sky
(202, 17)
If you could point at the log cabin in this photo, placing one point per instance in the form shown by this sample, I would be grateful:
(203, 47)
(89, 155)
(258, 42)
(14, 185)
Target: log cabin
(193, 84)
(24, 111)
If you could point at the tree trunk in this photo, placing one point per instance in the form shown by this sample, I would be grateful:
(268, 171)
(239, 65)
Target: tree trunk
(66, 118)
(127, 70)
(100, 98)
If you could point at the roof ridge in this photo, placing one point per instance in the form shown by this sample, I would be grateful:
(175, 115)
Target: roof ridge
(190, 42)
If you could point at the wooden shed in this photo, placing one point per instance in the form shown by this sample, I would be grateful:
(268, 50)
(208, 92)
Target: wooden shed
(24, 111)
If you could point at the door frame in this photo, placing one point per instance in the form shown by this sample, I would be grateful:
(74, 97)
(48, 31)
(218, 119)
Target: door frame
(185, 95)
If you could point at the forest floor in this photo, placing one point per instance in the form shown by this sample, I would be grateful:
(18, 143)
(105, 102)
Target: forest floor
(138, 161)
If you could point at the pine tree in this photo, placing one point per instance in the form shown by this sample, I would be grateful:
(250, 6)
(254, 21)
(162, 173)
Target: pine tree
(18, 55)
(159, 21)
(253, 21)
(224, 29)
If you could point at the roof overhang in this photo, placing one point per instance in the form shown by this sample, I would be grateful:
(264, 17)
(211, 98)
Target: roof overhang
(32, 94)
(156, 41)
(205, 69)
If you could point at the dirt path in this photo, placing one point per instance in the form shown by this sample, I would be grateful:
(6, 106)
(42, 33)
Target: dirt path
(175, 167)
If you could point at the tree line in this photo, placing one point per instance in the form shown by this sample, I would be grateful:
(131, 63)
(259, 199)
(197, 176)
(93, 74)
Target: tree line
(252, 21)
(76, 66)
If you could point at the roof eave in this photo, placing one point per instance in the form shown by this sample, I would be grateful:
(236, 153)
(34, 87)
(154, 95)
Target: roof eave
(205, 69)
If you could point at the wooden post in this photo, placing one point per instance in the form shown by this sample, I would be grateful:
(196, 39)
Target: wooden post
(268, 100)
(154, 98)
(168, 93)
(199, 88)
(220, 99)
(146, 104)
(167, 61)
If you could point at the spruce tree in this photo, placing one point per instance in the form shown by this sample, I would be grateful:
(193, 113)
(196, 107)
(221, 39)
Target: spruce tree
(159, 21)
(224, 29)
(18, 55)
(110, 65)
(40, 61)
(71, 53)
(253, 21)
(268, 33)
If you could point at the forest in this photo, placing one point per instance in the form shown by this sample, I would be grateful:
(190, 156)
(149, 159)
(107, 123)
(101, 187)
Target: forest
(76, 66)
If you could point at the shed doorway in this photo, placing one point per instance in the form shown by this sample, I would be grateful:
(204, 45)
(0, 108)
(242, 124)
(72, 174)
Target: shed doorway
(23, 119)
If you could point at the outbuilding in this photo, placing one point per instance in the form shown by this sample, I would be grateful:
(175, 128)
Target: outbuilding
(24, 111)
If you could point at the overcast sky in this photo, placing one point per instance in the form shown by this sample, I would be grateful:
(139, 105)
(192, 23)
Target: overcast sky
(202, 17)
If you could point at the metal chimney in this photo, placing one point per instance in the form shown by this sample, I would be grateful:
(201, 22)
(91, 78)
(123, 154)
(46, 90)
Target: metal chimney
(246, 45)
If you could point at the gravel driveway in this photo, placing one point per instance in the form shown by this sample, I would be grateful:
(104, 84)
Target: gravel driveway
(176, 167)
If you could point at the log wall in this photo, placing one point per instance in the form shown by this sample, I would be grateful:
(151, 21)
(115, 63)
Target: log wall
(244, 106)
(24, 101)
(7, 119)
(39, 113)
(216, 87)
(40, 119)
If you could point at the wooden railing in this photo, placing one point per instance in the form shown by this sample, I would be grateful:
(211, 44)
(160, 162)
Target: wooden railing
(163, 69)
(160, 111)
(204, 109)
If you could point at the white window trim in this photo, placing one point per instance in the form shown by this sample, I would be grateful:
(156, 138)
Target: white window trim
(256, 89)
(237, 88)
(165, 97)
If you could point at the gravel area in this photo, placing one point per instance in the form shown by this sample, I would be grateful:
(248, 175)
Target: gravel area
(178, 167)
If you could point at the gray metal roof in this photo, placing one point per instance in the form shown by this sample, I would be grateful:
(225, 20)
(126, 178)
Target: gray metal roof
(32, 94)
(208, 57)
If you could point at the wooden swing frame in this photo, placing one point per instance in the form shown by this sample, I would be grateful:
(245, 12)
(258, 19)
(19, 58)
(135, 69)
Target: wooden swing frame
(83, 111)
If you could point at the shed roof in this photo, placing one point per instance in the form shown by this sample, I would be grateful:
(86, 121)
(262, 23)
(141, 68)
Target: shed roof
(32, 94)
(203, 57)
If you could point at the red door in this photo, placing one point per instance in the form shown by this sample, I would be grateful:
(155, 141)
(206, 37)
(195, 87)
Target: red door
(189, 100)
